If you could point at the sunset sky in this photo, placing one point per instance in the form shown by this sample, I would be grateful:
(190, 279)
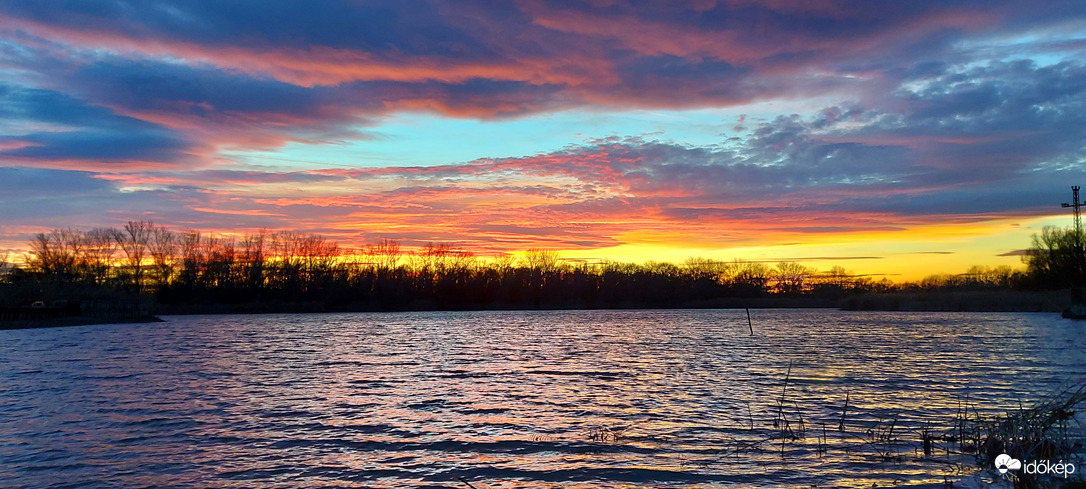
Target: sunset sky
(891, 138)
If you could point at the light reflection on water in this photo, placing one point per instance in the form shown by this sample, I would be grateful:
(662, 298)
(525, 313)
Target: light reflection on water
(513, 399)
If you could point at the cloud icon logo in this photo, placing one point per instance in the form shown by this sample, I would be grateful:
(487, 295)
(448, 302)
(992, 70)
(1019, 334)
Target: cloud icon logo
(1004, 463)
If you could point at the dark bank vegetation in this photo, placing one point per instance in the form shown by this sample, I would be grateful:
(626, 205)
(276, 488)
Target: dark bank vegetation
(192, 271)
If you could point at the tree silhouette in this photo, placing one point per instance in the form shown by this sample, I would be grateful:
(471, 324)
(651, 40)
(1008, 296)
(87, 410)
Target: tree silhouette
(1055, 259)
(162, 247)
(271, 270)
(133, 241)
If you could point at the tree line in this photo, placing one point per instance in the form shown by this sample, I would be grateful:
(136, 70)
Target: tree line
(276, 267)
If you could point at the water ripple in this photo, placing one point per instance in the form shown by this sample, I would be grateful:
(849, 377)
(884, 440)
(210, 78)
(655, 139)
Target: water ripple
(514, 399)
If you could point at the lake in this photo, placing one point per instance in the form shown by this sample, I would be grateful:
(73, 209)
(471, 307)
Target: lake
(578, 399)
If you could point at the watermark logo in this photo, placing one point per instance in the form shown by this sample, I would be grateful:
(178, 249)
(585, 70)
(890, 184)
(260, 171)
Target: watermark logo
(1005, 462)
(1043, 467)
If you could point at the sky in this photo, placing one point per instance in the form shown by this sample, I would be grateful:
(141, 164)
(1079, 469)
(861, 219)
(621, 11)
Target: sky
(894, 139)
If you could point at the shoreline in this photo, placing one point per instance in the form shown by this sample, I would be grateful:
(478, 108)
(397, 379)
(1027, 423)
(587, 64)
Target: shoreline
(907, 301)
(1053, 302)
(64, 322)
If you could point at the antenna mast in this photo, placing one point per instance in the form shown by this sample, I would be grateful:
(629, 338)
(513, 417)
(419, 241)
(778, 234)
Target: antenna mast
(1078, 215)
(1080, 257)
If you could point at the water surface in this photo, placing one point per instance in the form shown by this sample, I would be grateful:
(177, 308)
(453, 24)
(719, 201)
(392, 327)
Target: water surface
(516, 399)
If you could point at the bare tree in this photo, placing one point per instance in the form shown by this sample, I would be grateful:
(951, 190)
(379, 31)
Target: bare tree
(837, 276)
(99, 248)
(542, 260)
(700, 268)
(57, 253)
(133, 241)
(1000, 276)
(318, 255)
(253, 258)
(163, 248)
(461, 260)
(751, 274)
(431, 259)
(299, 258)
(386, 255)
(42, 253)
(5, 266)
(792, 277)
(503, 263)
(219, 259)
(286, 265)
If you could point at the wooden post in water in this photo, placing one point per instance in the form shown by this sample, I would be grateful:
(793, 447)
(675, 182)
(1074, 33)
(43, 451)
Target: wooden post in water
(749, 324)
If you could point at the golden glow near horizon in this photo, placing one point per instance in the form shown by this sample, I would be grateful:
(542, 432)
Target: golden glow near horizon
(908, 255)
(905, 256)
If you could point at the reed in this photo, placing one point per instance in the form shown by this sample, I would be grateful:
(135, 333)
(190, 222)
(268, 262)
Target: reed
(1040, 432)
(1047, 430)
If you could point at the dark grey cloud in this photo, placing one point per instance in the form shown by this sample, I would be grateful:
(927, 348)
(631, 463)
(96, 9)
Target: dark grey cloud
(621, 53)
(19, 184)
(48, 198)
(409, 25)
(642, 53)
(48, 126)
(200, 90)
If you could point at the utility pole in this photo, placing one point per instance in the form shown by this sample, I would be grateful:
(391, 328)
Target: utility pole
(1080, 254)
(1078, 215)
